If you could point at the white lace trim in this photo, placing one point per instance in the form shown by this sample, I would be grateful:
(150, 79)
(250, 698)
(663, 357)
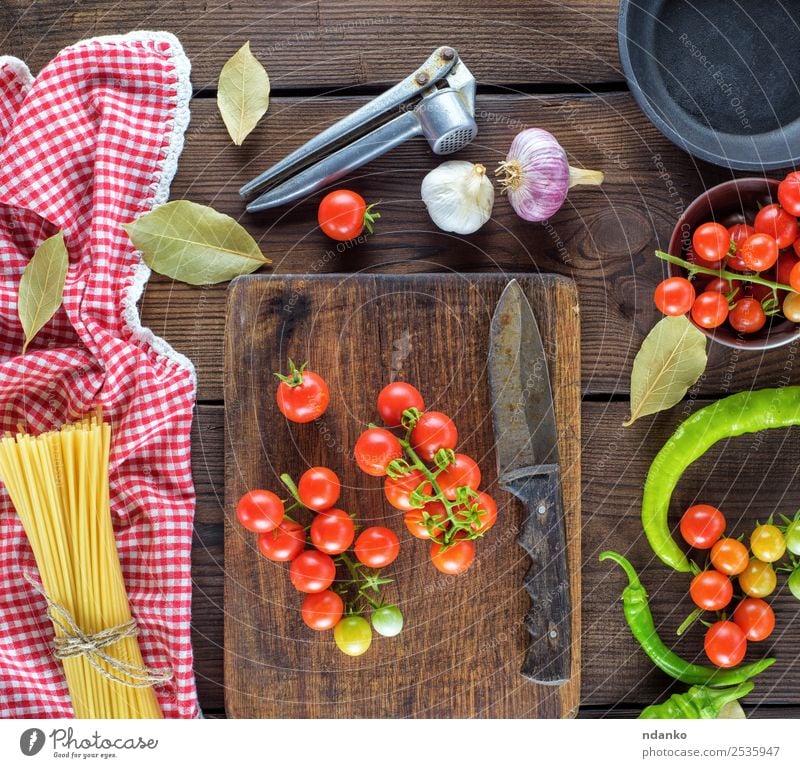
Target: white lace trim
(177, 128)
(19, 68)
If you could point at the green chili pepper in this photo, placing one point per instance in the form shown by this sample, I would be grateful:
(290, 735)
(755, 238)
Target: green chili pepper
(640, 620)
(698, 703)
(732, 416)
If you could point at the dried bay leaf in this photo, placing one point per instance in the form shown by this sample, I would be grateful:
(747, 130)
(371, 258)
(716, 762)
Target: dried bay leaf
(242, 93)
(194, 243)
(41, 287)
(672, 358)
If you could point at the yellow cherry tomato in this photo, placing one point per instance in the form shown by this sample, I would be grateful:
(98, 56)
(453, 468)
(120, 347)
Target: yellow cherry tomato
(767, 543)
(758, 579)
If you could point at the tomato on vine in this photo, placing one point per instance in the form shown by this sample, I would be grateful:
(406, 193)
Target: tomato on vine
(322, 610)
(738, 234)
(398, 490)
(344, 214)
(319, 488)
(395, 398)
(711, 241)
(774, 221)
(377, 546)
(789, 193)
(455, 558)
(759, 252)
(461, 473)
(710, 309)
(302, 395)
(487, 512)
(767, 543)
(725, 644)
(792, 537)
(260, 511)
(711, 590)
(353, 635)
(702, 525)
(755, 618)
(387, 620)
(748, 316)
(432, 432)
(414, 520)
(283, 544)
(332, 531)
(312, 571)
(730, 556)
(375, 449)
(674, 296)
(758, 579)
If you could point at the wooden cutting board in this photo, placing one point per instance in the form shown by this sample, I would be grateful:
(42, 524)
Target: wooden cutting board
(460, 652)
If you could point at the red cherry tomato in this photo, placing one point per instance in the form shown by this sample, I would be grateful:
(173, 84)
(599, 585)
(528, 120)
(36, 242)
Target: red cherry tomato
(463, 472)
(433, 431)
(725, 644)
(783, 269)
(377, 546)
(755, 617)
(454, 559)
(794, 277)
(692, 257)
(322, 610)
(796, 247)
(730, 556)
(731, 289)
(702, 525)
(711, 241)
(415, 520)
(789, 193)
(375, 449)
(343, 214)
(396, 398)
(710, 309)
(487, 510)
(319, 488)
(738, 234)
(711, 590)
(332, 531)
(774, 221)
(312, 571)
(398, 490)
(759, 252)
(747, 316)
(302, 395)
(674, 296)
(260, 511)
(283, 544)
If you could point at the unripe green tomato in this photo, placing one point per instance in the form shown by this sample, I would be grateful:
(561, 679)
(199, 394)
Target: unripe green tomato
(767, 543)
(353, 635)
(794, 583)
(793, 537)
(387, 620)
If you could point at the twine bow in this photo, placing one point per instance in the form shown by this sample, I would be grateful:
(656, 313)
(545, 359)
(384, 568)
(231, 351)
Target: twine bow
(75, 642)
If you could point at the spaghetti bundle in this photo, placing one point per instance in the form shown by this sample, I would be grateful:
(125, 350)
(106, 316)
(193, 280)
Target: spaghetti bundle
(58, 483)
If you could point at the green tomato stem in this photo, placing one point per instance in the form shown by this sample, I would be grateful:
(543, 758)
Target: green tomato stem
(724, 273)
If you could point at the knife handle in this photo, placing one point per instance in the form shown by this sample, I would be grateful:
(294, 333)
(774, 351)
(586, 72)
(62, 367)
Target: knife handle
(543, 537)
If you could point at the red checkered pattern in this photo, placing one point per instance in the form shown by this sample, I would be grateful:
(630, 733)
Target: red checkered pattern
(88, 145)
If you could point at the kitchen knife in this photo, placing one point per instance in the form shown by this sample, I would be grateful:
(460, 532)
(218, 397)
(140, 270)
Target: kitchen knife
(526, 440)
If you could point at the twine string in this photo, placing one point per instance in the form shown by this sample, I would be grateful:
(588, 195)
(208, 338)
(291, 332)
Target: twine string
(75, 642)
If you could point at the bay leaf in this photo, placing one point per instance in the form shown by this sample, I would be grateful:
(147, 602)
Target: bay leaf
(242, 93)
(41, 287)
(194, 243)
(672, 358)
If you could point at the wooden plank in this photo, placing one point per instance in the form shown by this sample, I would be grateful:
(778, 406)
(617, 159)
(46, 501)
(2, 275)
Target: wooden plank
(615, 461)
(325, 44)
(371, 329)
(602, 238)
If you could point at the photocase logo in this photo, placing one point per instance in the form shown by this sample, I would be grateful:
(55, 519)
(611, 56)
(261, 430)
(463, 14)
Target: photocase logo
(31, 741)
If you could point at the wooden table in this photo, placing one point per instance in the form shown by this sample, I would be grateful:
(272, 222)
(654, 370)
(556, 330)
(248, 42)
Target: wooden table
(550, 64)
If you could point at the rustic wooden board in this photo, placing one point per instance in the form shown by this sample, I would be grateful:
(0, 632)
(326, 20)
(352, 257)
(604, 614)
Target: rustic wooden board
(461, 651)
(329, 44)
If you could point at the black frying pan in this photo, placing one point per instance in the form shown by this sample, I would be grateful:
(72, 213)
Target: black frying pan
(720, 78)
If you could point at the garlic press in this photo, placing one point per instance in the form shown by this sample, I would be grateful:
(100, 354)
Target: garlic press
(437, 102)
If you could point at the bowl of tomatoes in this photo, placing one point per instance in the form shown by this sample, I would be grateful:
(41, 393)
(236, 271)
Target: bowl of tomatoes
(735, 268)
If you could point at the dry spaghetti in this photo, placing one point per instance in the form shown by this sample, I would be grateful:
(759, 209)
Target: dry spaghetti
(58, 483)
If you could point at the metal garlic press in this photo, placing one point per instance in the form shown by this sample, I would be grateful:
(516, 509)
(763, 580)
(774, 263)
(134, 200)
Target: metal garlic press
(437, 102)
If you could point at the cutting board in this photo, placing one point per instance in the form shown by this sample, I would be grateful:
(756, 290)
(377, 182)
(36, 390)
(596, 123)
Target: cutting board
(460, 652)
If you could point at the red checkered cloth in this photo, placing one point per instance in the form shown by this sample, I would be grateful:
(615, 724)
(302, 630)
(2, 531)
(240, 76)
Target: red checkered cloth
(88, 145)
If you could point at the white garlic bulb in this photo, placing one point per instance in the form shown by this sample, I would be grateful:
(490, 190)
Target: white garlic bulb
(459, 196)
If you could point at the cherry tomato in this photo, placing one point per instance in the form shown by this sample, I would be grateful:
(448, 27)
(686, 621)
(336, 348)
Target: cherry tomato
(710, 309)
(702, 525)
(783, 269)
(302, 395)
(283, 544)
(433, 431)
(353, 635)
(758, 579)
(731, 289)
(260, 511)
(343, 214)
(796, 247)
(792, 537)
(312, 571)
(375, 449)
(692, 257)
(711, 590)
(674, 296)
(755, 618)
(791, 307)
(319, 488)
(767, 543)
(396, 398)
(487, 512)
(747, 316)
(725, 644)
(774, 221)
(322, 610)
(332, 531)
(387, 620)
(789, 193)
(463, 472)
(759, 252)
(794, 583)
(730, 556)
(456, 558)
(794, 277)
(738, 234)
(398, 490)
(415, 520)
(711, 241)
(377, 546)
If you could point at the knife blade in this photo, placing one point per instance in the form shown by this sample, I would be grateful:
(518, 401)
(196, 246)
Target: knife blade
(526, 439)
